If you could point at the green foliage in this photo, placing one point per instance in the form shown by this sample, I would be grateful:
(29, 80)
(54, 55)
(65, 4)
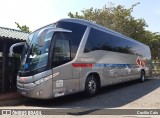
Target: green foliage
(120, 19)
(155, 46)
(117, 18)
(23, 28)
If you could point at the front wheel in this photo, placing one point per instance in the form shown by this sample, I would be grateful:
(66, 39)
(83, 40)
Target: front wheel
(91, 86)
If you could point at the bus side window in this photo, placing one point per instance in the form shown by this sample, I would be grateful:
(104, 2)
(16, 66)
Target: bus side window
(61, 52)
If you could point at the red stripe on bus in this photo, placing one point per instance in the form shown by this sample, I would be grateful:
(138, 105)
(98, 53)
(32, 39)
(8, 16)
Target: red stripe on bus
(82, 65)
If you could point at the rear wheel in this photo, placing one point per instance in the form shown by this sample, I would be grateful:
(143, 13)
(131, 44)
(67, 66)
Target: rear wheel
(91, 86)
(142, 79)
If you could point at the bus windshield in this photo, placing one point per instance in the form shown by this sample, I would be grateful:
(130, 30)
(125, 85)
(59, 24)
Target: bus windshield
(36, 49)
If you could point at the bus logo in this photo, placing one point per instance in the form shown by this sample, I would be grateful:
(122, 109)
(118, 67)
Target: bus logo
(141, 62)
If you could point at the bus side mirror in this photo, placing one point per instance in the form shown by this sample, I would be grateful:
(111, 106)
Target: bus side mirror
(14, 45)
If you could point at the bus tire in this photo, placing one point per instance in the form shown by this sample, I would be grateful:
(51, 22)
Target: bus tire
(91, 86)
(142, 79)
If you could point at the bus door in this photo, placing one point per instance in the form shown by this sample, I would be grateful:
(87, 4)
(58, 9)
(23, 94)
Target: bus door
(63, 81)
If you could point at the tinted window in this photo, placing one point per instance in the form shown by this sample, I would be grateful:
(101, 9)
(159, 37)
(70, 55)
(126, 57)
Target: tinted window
(76, 34)
(61, 49)
(99, 40)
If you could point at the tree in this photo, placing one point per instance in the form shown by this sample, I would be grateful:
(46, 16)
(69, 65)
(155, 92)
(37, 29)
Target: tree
(155, 46)
(23, 28)
(117, 18)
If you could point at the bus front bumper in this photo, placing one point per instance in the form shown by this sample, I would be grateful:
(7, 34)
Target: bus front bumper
(41, 91)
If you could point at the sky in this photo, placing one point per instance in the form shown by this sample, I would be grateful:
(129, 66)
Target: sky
(38, 13)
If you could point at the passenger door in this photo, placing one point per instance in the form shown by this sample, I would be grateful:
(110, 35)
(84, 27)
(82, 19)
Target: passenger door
(63, 82)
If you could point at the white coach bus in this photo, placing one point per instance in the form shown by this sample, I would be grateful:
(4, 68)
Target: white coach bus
(74, 55)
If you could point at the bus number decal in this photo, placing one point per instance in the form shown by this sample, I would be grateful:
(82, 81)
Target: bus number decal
(59, 83)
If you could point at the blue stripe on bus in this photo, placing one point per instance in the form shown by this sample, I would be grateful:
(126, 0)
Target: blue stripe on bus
(111, 65)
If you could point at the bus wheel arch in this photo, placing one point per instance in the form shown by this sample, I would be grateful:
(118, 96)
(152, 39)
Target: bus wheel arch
(92, 84)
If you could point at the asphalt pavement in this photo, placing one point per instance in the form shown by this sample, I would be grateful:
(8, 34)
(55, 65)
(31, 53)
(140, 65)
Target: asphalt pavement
(11, 99)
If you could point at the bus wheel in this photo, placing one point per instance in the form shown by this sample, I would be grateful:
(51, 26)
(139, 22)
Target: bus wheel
(91, 86)
(142, 79)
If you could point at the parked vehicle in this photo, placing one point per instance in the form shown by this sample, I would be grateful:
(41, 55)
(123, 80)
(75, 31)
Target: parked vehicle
(74, 55)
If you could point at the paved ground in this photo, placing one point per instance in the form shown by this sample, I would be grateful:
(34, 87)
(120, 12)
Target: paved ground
(132, 95)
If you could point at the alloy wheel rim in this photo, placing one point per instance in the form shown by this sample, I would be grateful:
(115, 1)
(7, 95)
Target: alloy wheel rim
(92, 86)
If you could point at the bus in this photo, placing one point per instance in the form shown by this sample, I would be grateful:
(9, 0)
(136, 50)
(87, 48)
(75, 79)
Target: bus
(74, 55)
